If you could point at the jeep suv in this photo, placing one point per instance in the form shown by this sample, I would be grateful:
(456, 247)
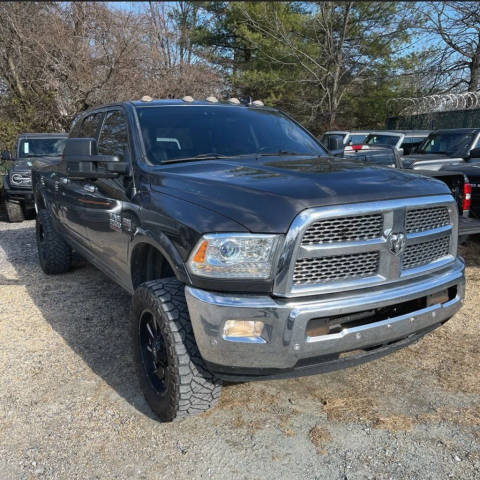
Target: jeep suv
(17, 183)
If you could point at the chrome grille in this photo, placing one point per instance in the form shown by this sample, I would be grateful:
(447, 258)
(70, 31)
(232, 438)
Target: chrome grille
(424, 253)
(339, 267)
(22, 179)
(422, 219)
(339, 248)
(344, 229)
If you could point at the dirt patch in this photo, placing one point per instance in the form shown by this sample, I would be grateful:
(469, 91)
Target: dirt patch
(320, 437)
(396, 423)
(468, 416)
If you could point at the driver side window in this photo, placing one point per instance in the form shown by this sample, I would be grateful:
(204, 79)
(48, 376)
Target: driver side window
(113, 139)
(86, 128)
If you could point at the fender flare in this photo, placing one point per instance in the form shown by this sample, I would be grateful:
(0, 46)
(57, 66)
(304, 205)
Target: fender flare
(165, 246)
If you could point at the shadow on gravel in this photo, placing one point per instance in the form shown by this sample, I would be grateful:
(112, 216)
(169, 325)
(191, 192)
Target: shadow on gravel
(88, 310)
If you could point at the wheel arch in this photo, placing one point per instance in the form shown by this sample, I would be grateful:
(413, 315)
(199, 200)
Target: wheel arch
(151, 259)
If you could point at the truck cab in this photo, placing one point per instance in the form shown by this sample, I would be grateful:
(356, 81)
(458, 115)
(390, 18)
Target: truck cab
(249, 252)
(446, 147)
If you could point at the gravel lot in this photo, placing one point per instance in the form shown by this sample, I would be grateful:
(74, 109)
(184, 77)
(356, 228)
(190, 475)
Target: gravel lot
(70, 405)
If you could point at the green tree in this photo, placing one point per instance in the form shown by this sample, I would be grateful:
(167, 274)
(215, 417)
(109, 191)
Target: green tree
(308, 59)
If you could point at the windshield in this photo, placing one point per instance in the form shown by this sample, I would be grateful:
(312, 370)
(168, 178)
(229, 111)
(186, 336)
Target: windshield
(381, 157)
(41, 147)
(184, 132)
(447, 143)
(356, 138)
(374, 139)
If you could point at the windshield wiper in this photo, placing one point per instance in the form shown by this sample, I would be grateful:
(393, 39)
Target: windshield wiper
(201, 156)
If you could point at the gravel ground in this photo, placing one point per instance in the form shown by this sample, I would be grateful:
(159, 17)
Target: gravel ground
(70, 405)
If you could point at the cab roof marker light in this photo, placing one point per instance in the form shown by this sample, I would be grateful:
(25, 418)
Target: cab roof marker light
(258, 103)
(187, 98)
(146, 98)
(212, 99)
(234, 101)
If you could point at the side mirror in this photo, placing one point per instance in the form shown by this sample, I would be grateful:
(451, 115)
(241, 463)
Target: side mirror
(82, 161)
(334, 144)
(6, 156)
(475, 153)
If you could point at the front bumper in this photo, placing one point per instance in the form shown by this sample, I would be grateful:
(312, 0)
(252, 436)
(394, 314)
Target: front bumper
(288, 348)
(19, 194)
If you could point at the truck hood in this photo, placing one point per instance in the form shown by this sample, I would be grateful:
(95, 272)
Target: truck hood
(265, 195)
(26, 164)
(21, 166)
(418, 157)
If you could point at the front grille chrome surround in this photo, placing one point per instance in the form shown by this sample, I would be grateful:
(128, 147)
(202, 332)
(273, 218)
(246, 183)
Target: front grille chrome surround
(312, 263)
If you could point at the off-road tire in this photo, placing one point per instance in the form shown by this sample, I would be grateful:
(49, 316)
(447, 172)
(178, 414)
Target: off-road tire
(14, 211)
(188, 387)
(54, 253)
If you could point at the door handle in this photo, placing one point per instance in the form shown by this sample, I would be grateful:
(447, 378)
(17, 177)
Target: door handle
(90, 188)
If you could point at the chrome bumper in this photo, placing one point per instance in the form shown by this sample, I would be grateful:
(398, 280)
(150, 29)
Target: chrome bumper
(286, 320)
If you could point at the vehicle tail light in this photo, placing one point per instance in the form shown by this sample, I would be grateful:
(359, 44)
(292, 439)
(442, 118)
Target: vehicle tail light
(467, 196)
(357, 147)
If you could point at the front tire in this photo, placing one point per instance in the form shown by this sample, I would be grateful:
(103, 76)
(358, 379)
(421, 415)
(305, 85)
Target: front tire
(14, 211)
(54, 253)
(173, 377)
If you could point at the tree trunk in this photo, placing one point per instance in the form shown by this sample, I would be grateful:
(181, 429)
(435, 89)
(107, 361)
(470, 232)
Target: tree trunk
(475, 70)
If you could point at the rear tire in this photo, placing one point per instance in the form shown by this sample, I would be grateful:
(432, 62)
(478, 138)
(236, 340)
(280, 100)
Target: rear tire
(173, 376)
(14, 211)
(54, 253)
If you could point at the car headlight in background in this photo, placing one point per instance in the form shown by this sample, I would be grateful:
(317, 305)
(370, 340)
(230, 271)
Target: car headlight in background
(23, 179)
(234, 255)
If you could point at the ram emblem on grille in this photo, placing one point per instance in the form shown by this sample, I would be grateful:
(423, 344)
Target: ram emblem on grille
(396, 243)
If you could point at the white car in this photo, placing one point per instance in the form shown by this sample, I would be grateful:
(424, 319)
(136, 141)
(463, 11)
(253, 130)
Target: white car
(405, 141)
(350, 139)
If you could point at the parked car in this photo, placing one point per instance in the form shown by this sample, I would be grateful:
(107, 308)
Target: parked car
(405, 141)
(457, 181)
(452, 150)
(250, 253)
(349, 139)
(454, 146)
(17, 183)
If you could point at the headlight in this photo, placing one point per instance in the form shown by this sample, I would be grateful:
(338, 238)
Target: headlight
(234, 255)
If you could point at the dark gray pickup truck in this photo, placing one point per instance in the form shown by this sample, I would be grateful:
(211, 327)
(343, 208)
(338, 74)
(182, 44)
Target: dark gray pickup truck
(17, 183)
(249, 252)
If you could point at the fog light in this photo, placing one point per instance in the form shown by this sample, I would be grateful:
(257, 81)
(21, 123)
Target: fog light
(243, 331)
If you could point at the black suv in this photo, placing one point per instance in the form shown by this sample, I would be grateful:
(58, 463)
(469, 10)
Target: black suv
(17, 183)
(250, 253)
